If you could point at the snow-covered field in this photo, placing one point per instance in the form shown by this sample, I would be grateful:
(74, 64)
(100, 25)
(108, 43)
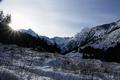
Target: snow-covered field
(18, 63)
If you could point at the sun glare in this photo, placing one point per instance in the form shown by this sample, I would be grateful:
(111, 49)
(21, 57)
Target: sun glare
(19, 22)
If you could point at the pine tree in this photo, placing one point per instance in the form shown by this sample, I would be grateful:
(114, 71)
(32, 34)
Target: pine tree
(6, 19)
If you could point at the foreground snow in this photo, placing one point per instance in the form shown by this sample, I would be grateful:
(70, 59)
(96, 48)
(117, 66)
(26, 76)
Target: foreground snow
(17, 63)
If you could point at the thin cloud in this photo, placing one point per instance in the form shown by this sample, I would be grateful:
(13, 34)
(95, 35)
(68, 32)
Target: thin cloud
(61, 17)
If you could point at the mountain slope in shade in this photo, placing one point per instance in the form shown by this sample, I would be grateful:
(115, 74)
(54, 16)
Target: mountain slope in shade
(26, 38)
(34, 34)
(60, 41)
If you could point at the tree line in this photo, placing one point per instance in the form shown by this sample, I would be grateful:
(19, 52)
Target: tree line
(112, 54)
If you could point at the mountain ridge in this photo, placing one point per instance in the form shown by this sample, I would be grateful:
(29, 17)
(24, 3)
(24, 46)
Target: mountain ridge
(102, 38)
(101, 34)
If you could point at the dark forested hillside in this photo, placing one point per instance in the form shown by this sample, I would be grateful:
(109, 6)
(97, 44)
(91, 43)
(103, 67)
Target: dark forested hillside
(112, 54)
(10, 36)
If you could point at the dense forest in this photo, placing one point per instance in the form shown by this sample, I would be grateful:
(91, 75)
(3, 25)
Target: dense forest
(111, 54)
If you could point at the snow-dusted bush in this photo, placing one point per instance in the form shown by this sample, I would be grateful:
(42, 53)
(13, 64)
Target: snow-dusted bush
(6, 75)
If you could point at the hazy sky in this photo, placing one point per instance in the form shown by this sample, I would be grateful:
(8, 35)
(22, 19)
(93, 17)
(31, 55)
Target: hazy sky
(60, 17)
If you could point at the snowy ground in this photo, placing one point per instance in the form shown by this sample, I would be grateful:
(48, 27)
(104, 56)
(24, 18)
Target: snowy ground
(17, 63)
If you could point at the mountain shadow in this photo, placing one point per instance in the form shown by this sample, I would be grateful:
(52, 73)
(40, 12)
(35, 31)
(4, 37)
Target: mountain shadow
(10, 36)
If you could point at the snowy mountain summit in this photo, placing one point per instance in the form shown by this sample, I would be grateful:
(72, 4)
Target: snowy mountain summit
(102, 37)
(29, 31)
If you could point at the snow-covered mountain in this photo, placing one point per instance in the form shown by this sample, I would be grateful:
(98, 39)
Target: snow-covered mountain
(62, 42)
(102, 37)
(107, 37)
(29, 31)
(34, 34)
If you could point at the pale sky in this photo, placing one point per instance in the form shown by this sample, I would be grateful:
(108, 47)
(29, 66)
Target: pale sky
(60, 17)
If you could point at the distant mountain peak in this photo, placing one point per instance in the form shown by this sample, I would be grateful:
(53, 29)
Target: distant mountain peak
(29, 31)
(118, 20)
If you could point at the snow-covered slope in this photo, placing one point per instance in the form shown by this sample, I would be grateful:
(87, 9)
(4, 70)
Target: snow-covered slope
(102, 36)
(62, 42)
(17, 63)
(105, 36)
